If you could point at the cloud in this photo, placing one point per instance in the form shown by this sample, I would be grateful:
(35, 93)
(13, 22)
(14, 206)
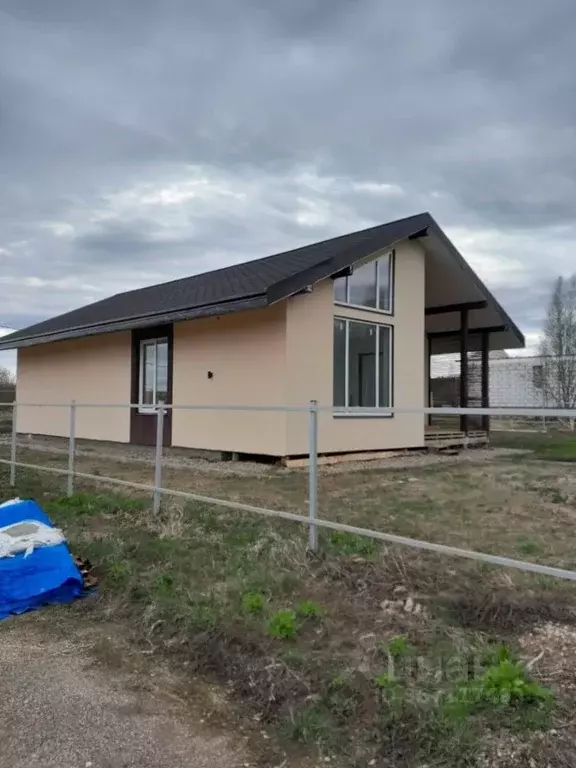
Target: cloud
(139, 143)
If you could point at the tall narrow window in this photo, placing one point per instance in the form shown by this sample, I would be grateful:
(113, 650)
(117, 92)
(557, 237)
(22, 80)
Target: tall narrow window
(340, 362)
(384, 265)
(341, 290)
(153, 386)
(363, 286)
(362, 364)
(385, 361)
(370, 285)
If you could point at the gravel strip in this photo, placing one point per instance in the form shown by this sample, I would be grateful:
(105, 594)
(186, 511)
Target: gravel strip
(58, 709)
(179, 458)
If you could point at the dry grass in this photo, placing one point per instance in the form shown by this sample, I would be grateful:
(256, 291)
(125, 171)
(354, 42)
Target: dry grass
(507, 505)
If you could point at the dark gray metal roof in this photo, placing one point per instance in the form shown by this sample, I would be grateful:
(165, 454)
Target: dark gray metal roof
(231, 289)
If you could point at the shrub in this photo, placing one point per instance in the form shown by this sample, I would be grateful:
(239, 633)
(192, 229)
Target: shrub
(507, 683)
(253, 602)
(504, 684)
(282, 625)
(398, 646)
(308, 609)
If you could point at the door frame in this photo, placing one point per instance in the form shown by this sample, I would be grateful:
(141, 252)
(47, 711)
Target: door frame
(143, 425)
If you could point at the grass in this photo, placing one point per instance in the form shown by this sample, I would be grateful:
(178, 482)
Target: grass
(552, 444)
(512, 506)
(308, 644)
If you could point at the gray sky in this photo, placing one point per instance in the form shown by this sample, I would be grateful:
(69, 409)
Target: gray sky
(142, 141)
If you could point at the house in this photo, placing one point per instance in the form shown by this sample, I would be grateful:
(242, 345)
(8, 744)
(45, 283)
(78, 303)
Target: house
(349, 321)
(533, 382)
(540, 381)
(445, 379)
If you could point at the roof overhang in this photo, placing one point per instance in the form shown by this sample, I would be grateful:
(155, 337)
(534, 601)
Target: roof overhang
(144, 321)
(450, 283)
(452, 287)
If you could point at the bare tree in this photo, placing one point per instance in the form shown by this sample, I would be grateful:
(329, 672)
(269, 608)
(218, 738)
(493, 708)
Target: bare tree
(7, 379)
(557, 377)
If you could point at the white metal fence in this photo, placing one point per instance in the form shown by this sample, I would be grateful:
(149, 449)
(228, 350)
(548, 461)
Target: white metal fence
(310, 519)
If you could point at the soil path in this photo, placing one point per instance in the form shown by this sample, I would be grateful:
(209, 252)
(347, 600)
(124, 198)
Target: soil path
(61, 708)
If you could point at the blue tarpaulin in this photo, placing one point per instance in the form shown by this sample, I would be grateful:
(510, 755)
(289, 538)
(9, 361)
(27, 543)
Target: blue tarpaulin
(46, 575)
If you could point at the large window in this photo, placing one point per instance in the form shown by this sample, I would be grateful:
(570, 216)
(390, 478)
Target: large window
(153, 373)
(369, 285)
(362, 364)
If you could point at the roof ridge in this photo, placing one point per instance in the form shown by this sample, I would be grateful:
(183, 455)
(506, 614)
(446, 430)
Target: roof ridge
(271, 278)
(261, 259)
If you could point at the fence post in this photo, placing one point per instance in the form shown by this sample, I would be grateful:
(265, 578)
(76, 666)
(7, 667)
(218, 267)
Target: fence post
(71, 447)
(13, 446)
(158, 461)
(313, 475)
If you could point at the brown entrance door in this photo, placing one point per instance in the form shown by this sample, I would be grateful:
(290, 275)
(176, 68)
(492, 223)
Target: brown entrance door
(151, 385)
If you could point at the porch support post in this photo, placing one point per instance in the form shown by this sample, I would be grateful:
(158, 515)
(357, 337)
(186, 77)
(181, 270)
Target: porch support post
(464, 368)
(486, 379)
(429, 382)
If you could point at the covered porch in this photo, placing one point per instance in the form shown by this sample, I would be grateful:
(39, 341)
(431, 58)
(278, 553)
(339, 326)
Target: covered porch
(468, 385)
(463, 320)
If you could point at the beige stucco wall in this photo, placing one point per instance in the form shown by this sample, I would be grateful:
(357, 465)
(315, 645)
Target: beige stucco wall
(95, 369)
(246, 354)
(309, 363)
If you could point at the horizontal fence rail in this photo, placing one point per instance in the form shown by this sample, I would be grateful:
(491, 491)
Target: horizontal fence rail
(566, 413)
(311, 520)
(389, 538)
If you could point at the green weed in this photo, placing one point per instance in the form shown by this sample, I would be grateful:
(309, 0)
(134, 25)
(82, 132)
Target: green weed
(118, 573)
(82, 503)
(253, 602)
(398, 647)
(386, 682)
(308, 609)
(283, 625)
(350, 544)
(528, 546)
(164, 585)
(504, 688)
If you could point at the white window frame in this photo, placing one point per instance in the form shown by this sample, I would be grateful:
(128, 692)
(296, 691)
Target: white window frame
(142, 407)
(390, 312)
(348, 410)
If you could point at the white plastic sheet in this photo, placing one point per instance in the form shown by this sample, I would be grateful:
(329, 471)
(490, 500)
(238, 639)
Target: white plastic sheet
(26, 536)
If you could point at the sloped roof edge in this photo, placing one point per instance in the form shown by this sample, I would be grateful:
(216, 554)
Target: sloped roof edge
(272, 279)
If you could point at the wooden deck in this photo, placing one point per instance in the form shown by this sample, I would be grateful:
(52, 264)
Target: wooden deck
(435, 439)
(454, 438)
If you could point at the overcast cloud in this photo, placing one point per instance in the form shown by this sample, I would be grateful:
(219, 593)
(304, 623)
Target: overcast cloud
(142, 141)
